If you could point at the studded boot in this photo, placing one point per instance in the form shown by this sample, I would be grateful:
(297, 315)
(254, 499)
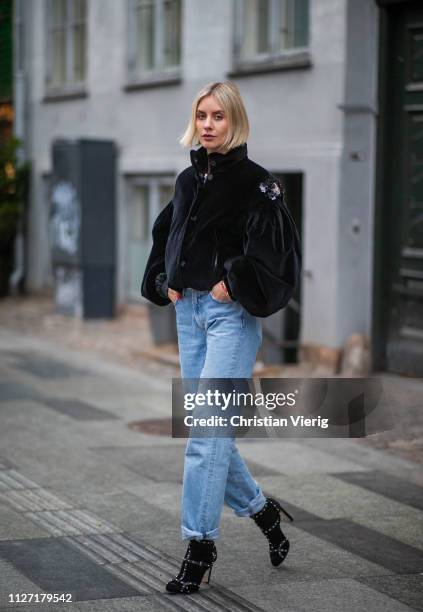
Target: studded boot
(199, 557)
(268, 520)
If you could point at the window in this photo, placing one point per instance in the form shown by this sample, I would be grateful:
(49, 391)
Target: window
(6, 71)
(266, 30)
(146, 197)
(66, 43)
(154, 41)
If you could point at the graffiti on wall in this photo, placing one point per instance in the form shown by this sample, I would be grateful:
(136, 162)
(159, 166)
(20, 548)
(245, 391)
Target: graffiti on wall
(68, 285)
(65, 218)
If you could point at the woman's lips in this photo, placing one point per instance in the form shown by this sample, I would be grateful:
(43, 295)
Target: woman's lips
(208, 137)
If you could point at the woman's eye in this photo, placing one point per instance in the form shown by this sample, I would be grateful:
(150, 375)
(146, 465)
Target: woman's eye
(203, 117)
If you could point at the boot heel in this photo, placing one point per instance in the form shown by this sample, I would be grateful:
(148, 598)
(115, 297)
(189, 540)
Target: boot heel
(285, 512)
(208, 577)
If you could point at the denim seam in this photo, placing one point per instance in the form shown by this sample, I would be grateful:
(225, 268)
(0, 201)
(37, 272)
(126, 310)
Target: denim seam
(238, 344)
(207, 493)
(194, 321)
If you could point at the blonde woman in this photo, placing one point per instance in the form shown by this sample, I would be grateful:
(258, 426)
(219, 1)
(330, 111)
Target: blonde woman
(225, 253)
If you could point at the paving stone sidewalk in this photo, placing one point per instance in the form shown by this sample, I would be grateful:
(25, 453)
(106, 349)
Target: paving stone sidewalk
(128, 340)
(90, 506)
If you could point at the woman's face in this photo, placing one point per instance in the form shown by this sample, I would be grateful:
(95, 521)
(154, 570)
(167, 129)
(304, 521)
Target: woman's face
(211, 123)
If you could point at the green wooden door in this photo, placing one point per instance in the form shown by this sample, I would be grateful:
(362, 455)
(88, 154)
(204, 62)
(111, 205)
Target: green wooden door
(399, 240)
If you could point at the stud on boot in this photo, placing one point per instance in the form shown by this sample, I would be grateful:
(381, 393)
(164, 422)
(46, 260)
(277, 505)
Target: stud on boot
(268, 520)
(199, 557)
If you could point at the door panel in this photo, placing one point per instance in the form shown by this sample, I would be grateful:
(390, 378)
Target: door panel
(401, 239)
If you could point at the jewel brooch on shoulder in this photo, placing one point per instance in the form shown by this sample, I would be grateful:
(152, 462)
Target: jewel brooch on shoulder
(271, 188)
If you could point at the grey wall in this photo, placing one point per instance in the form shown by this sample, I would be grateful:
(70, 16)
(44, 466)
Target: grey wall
(296, 125)
(357, 185)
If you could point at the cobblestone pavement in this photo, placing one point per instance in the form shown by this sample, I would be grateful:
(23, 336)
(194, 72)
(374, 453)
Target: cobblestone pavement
(90, 506)
(128, 340)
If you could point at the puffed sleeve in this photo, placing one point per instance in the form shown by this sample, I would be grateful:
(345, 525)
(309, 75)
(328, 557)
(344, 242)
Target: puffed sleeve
(264, 278)
(155, 274)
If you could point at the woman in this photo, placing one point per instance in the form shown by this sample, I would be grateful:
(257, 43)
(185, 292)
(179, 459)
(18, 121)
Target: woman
(225, 252)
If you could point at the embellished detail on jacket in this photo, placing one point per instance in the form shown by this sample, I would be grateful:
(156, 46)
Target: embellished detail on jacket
(271, 188)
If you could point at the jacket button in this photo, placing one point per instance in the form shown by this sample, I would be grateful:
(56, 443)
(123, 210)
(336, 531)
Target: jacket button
(194, 218)
(182, 263)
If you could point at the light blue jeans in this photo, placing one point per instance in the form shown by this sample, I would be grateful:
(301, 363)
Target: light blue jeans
(216, 340)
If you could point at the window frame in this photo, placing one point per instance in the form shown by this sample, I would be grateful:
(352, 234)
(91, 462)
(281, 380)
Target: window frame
(276, 58)
(70, 87)
(159, 74)
(153, 181)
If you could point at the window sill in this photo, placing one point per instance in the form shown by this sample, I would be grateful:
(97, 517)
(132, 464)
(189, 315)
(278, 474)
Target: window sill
(292, 61)
(65, 93)
(153, 80)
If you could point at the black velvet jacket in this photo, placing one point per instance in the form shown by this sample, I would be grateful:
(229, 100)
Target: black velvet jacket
(227, 220)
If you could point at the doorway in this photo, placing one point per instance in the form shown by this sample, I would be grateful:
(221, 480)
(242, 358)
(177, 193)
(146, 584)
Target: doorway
(398, 272)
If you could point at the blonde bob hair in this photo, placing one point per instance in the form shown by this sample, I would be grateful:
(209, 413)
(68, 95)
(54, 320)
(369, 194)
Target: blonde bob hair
(229, 97)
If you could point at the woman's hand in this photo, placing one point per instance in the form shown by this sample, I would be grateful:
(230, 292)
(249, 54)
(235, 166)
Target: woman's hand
(173, 295)
(220, 292)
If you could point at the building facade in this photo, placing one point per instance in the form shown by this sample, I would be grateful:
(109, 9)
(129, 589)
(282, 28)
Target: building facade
(310, 74)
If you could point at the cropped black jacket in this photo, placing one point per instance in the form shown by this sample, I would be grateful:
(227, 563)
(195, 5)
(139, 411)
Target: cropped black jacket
(227, 220)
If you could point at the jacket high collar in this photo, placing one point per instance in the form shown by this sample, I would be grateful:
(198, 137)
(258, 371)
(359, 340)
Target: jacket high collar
(219, 162)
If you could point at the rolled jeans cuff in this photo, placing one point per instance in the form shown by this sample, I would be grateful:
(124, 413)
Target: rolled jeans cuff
(255, 505)
(188, 534)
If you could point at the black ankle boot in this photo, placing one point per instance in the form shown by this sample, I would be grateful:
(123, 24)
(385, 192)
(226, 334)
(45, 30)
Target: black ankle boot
(268, 519)
(199, 557)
